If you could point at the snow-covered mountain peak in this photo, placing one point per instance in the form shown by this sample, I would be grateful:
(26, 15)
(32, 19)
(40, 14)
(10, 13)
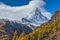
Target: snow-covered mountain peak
(36, 17)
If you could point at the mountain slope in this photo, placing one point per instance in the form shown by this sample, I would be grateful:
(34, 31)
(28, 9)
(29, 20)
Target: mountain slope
(47, 31)
(9, 27)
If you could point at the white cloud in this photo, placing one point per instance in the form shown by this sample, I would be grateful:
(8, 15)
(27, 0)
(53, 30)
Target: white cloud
(16, 13)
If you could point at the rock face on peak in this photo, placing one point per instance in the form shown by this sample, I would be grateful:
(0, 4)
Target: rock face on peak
(56, 16)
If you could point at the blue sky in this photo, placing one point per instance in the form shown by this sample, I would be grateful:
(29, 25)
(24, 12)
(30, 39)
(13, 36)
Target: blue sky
(15, 2)
(51, 5)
